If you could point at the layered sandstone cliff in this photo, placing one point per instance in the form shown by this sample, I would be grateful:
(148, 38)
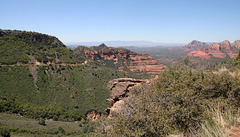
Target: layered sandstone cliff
(216, 50)
(124, 59)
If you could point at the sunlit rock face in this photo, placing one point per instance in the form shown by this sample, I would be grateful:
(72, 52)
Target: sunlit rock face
(122, 58)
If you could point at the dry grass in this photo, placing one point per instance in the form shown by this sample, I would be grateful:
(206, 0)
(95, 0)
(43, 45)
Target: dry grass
(32, 126)
(235, 73)
(220, 124)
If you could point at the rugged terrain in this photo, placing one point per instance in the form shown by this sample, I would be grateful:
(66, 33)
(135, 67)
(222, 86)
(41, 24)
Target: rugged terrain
(220, 50)
(42, 82)
(41, 77)
(197, 51)
(122, 59)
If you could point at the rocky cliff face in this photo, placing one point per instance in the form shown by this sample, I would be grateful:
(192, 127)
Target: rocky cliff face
(236, 44)
(118, 89)
(121, 58)
(216, 50)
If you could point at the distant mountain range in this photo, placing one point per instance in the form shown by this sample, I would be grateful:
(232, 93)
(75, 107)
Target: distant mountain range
(125, 44)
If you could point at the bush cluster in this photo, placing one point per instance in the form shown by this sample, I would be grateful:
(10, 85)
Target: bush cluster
(176, 102)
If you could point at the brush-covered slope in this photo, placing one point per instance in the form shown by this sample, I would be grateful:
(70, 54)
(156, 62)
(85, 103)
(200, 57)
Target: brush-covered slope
(40, 77)
(122, 59)
(22, 47)
(238, 56)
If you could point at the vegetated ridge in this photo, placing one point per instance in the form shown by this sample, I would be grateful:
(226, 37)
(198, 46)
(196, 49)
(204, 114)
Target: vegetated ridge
(42, 78)
(122, 59)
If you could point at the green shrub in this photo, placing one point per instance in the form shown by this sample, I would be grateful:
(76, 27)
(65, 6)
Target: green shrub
(88, 126)
(176, 102)
(61, 130)
(55, 118)
(42, 122)
(4, 132)
(238, 56)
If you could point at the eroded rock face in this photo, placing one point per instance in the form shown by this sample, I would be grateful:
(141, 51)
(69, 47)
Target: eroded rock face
(119, 89)
(125, 59)
(236, 44)
(198, 53)
(216, 50)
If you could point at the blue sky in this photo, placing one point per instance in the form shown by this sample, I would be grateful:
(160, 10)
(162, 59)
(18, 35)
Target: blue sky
(167, 21)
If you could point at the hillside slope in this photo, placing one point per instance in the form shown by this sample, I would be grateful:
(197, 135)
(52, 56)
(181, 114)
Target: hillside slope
(24, 47)
(40, 77)
(122, 59)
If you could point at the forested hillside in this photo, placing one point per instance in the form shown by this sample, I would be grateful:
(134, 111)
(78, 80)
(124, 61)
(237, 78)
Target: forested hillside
(42, 78)
(22, 46)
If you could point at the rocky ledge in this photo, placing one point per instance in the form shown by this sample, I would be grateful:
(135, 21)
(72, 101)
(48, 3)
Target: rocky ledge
(119, 89)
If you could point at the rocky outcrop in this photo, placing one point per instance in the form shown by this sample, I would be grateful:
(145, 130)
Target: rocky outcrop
(222, 45)
(221, 50)
(199, 54)
(236, 44)
(217, 50)
(124, 59)
(196, 44)
(119, 89)
(93, 115)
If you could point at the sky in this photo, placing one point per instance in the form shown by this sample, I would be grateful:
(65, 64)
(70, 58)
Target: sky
(166, 21)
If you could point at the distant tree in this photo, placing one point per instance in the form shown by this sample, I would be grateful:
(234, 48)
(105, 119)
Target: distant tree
(238, 56)
(186, 60)
(4, 132)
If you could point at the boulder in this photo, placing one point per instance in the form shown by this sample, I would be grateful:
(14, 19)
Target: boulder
(119, 89)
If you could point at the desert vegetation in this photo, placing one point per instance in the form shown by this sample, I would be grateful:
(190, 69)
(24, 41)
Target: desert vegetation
(186, 99)
(54, 96)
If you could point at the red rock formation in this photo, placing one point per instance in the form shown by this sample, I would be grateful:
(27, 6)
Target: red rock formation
(125, 58)
(200, 54)
(222, 45)
(196, 44)
(236, 44)
(217, 50)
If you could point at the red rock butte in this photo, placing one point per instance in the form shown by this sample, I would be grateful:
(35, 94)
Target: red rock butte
(214, 50)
